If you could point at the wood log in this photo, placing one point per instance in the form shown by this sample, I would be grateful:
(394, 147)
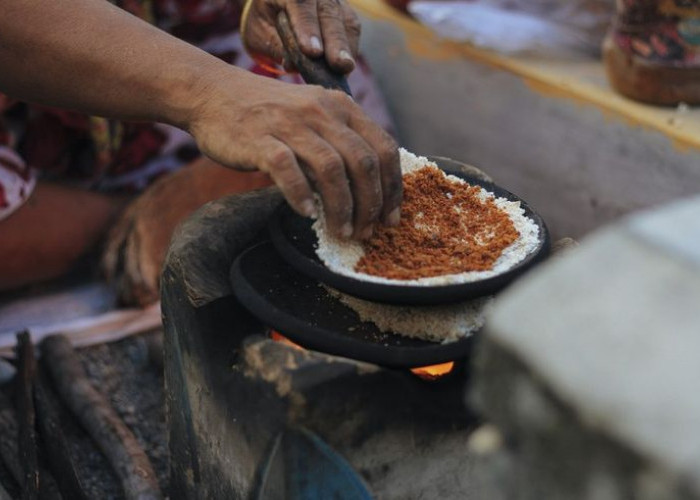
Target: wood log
(29, 456)
(50, 417)
(9, 451)
(97, 416)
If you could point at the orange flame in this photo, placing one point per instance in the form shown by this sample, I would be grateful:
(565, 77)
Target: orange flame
(278, 337)
(433, 372)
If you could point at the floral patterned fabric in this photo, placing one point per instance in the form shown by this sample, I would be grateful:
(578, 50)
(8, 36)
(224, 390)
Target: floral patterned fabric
(96, 153)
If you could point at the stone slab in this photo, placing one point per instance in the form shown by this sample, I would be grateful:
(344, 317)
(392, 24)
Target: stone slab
(612, 331)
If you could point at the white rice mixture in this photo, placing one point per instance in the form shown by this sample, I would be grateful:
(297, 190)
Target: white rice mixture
(341, 256)
(442, 323)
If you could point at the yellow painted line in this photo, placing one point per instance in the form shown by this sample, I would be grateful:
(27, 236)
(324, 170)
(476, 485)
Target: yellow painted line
(583, 82)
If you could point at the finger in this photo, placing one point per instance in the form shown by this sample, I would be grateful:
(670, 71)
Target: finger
(353, 28)
(279, 161)
(327, 170)
(387, 152)
(139, 283)
(303, 15)
(150, 257)
(335, 41)
(262, 40)
(113, 253)
(362, 167)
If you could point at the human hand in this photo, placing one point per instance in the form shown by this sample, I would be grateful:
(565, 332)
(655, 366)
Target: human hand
(322, 27)
(135, 249)
(309, 140)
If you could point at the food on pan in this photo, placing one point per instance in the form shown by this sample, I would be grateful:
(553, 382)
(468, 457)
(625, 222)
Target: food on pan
(442, 323)
(450, 232)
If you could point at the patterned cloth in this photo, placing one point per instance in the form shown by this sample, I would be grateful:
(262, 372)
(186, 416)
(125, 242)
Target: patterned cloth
(100, 154)
(660, 31)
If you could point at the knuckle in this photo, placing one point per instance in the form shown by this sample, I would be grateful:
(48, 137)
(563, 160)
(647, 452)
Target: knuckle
(352, 24)
(388, 151)
(330, 167)
(306, 16)
(278, 157)
(338, 100)
(391, 164)
(295, 186)
(369, 165)
(314, 106)
(328, 10)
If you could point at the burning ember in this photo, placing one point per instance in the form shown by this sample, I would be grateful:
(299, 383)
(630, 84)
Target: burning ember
(431, 372)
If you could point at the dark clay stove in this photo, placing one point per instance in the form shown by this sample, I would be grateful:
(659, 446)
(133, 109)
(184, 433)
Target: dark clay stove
(254, 415)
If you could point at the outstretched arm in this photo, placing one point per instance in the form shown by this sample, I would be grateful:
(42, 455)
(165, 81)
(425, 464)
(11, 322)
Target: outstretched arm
(91, 56)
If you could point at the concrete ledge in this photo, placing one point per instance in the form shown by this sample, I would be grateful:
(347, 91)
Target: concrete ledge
(591, 364)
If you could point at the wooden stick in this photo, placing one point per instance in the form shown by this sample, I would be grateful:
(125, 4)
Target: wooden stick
(26, 416)
(100, 420)
(9, 451)
(50, 417)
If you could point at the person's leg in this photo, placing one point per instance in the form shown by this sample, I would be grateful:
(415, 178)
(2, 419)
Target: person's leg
(51, 231)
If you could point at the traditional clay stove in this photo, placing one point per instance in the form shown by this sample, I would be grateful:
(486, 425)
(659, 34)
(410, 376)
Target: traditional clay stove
(253, 415)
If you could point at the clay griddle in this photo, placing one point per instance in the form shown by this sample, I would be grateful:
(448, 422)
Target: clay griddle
(296, 243)
(301, 309)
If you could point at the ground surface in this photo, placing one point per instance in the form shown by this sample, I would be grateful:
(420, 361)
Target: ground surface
(125, 373)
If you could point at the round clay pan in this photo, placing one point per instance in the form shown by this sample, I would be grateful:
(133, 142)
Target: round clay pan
(301, 309)
(296, 242)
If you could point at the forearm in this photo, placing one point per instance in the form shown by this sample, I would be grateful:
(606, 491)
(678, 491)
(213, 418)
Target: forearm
(47, 235)
(91, 56)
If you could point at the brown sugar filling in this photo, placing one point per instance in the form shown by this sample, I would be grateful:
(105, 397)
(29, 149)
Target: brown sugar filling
(445, 228)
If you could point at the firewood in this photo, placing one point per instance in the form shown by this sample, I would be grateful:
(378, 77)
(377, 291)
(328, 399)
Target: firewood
(26, 416)
(50, 417)
(9, 452)
(101, 421)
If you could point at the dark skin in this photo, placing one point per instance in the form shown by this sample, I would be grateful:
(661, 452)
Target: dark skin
(98, 59)
(37, 244)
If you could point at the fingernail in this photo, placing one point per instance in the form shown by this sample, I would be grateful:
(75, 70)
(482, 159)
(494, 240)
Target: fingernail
(345, 55)
(309, 209)
(367, 233)
(394, 217)
(346, 231)
(315, 43)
